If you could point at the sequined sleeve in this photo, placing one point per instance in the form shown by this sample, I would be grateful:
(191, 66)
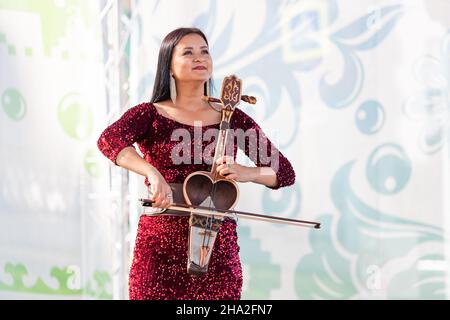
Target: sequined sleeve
(132, 126)
(262, 151)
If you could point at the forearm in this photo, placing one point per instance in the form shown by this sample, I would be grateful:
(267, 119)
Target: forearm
(263, 175)
(129, 159)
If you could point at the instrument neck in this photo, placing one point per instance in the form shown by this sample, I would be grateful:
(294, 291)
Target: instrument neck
(220, 149)
(222, 138)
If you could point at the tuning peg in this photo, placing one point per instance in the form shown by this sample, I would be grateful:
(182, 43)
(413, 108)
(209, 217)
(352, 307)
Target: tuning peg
(248, 99)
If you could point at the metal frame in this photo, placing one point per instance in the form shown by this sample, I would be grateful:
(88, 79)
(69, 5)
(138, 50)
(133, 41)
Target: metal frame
(115, 29)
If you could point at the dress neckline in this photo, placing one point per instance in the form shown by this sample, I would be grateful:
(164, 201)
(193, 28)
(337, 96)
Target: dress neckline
(181, 123)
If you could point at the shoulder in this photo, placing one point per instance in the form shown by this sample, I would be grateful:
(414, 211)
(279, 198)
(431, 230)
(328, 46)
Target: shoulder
(242, 120)
(141, 109)
(140, 113)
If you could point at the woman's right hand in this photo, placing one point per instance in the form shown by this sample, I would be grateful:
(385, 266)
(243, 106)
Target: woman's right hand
(160, 189)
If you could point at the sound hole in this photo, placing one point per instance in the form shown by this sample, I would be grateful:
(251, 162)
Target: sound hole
(199, 187)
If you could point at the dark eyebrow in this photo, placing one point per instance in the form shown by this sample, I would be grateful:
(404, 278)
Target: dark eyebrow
(191, 48)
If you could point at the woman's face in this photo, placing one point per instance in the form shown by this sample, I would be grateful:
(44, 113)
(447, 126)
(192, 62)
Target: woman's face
(191, 60)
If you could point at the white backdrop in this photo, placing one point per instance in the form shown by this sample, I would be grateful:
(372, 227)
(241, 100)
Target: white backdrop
(355, 94)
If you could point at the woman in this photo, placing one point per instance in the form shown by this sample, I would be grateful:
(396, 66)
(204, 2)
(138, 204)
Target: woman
(158, 270)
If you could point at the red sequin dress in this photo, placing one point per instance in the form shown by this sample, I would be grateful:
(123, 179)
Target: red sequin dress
(160, 258)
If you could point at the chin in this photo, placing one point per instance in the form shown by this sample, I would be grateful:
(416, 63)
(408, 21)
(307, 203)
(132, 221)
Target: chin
(204, 78)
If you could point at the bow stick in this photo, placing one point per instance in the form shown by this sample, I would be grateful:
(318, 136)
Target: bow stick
(229, 213)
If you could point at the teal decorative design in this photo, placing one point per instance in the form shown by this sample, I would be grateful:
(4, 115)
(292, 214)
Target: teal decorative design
(354, 248)
(421, 284)
(14, 104)
(264, 276)
(366, 221)
(324, 273)
(370, 117)
(288, 205)
(372, 31)
(375, 237)
(305, 25)
(431, 106)
(388, 169)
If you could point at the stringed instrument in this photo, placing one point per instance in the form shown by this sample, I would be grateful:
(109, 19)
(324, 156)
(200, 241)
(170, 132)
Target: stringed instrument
(202, 188)
(210, 197)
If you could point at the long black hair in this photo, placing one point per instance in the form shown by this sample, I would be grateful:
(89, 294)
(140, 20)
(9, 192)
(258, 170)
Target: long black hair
(161, 88)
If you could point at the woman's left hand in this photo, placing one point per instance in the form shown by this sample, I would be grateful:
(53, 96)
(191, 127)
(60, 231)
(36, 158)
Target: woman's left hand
(231, 170)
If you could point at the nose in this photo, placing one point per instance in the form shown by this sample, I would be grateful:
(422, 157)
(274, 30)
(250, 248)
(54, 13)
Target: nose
(198, 58)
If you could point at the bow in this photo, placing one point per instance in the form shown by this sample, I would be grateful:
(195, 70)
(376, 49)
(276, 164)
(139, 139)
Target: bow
(231, 213)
